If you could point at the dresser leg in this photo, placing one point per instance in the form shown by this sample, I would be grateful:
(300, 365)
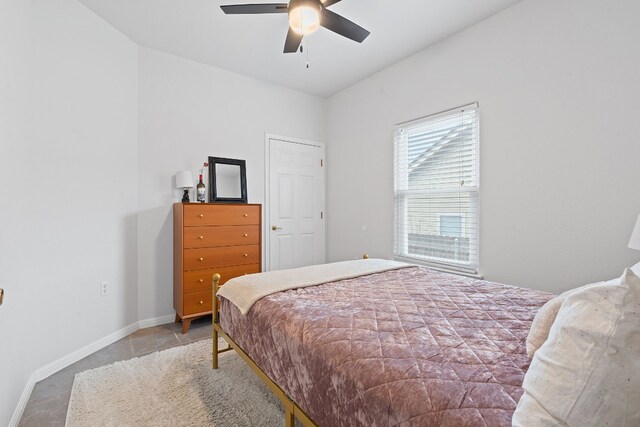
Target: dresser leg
(186, 323)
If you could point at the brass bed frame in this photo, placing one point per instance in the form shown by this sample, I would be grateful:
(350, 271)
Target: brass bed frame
(291, 408)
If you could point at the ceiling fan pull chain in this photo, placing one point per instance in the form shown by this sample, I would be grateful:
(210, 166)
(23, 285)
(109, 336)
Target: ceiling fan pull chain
(307, 54)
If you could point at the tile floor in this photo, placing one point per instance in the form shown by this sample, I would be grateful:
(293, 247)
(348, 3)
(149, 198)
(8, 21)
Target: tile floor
(50, 397)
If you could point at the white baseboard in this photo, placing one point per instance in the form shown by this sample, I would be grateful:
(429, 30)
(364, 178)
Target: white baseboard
(71, 358)
(156, 321)
(22, 403)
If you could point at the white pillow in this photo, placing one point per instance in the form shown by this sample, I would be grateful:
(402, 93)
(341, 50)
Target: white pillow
(542, 323)
(544, 319)
(587, 373)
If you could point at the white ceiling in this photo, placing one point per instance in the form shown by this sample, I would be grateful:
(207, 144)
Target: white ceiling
(252, 44)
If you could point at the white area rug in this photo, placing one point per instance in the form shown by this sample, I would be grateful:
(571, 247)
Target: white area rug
(174, 387)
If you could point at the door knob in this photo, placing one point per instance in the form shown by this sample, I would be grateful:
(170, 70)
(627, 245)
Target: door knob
(1, 296)
(276, 228)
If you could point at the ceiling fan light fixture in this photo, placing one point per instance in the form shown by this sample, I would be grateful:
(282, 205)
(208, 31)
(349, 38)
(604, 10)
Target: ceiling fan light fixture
(304, 18)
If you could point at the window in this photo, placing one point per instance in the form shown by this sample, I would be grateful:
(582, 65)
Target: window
(436, 189)
(450, 225)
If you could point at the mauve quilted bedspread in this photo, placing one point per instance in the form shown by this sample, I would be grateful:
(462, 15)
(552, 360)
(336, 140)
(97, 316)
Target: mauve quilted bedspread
(410, 347)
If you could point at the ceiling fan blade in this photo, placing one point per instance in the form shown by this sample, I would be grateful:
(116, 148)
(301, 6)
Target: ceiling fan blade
(293, 41)
(250, 9)
(327, 3)
(340, 25)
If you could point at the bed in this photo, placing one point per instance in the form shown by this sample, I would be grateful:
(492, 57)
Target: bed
(408, 346)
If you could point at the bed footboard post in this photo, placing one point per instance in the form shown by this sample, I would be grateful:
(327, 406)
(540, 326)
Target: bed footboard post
(215, 279)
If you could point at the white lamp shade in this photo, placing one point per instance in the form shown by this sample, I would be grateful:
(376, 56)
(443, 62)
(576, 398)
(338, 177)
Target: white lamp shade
(184, 179)
(634, 242)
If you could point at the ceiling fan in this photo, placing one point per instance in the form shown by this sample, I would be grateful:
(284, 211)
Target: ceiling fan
(305, 17)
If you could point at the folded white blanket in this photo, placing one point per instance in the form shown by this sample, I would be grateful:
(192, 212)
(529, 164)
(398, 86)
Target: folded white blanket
(244, 291)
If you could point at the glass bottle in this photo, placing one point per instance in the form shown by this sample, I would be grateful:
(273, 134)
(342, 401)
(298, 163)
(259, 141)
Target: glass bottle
(200, 190)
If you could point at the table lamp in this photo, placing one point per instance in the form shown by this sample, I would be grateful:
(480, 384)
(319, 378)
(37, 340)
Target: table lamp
(184, 180)
(634, 242)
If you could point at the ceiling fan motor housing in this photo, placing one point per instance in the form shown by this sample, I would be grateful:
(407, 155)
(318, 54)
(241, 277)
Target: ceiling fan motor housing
(314, 4)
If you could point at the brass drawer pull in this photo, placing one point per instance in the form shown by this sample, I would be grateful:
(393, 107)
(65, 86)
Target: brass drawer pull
(245, 215)
(201, 280)
(201, 215)
(200, 259)
(201, 237)
(201, 302)
(246, 255)
(246, 235)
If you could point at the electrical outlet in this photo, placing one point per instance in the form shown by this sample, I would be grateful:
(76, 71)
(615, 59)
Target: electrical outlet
(104, 288)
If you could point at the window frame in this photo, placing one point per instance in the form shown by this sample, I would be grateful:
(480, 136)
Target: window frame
(401, 198)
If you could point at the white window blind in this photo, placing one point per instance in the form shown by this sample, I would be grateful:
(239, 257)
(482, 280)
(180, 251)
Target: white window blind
(436, 186)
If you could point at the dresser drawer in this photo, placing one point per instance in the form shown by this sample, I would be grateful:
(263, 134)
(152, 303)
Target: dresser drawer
(200, 280)
(197, 302)
(205, 258)
(204, 214)
(223, 235)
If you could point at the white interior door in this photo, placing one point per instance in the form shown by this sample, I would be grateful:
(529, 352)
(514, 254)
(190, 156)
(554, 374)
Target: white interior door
(295, 211)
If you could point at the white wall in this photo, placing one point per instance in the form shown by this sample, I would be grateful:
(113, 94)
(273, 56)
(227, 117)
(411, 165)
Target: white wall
(68, 193)
(189, 111)
(87, 163)
(557, 83)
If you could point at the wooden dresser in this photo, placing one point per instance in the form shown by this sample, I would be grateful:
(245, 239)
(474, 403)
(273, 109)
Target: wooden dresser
(208, 239)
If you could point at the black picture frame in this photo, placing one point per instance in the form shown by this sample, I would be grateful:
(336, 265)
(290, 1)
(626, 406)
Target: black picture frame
(213, 194)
